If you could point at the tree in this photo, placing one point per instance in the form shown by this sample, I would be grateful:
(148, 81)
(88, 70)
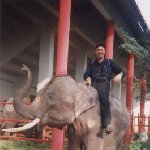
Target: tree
(141, 48)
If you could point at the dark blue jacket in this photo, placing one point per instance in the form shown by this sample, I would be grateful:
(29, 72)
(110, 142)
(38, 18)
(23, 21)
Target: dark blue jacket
(107, 68)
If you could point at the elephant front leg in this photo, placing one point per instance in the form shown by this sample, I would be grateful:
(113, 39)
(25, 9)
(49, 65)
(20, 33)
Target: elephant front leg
(93, 142)
(74, 142)
(75, 145)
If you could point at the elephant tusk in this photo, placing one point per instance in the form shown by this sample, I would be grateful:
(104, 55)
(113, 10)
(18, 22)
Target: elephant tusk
(25, 127)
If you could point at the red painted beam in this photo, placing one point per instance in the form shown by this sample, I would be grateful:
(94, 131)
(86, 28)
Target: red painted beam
(23, 139)
(6, 103)
(110, 40)
(14, 120)
(61, 61)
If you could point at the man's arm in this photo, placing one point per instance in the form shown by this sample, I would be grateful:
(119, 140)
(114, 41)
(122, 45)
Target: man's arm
(116, 68)
(118, 71)
(88, 74)
(118, 78)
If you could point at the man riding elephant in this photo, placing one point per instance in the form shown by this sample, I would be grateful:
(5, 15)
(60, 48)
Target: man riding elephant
(98, 74)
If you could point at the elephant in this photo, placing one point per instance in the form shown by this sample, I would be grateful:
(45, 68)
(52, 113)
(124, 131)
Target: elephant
(63, 102)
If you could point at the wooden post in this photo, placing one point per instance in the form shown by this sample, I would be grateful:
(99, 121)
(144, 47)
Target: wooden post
(149, 126)
(132, 122)
(138, 122)
(142, 102)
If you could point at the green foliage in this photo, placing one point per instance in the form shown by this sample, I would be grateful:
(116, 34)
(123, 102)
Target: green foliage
(22, 145)
(130, 44)
(141, 49)
(140, 146)
(138, 97)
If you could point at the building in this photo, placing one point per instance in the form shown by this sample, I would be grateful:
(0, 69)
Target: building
(29, 36)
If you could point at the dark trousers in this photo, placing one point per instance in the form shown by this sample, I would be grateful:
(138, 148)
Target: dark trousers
(103, 87)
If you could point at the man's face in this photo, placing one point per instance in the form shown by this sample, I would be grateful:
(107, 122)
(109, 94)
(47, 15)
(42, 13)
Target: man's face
(100, 52)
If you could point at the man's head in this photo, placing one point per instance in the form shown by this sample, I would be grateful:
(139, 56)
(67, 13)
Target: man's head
(100, 51)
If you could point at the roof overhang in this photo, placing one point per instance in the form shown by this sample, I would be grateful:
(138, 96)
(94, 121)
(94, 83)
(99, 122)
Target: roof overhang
(125, 15)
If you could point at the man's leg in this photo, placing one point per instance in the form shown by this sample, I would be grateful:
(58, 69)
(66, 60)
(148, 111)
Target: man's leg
(105, 115)
(97, 87)
(103, 91)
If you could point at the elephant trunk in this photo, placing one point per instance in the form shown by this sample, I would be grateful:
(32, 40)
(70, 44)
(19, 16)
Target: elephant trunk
(24, 110)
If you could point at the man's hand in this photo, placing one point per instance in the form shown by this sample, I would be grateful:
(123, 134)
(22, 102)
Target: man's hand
(117, 78)
(88, 81)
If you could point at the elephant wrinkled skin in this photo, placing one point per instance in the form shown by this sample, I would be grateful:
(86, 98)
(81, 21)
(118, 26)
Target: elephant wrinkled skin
(64, 102)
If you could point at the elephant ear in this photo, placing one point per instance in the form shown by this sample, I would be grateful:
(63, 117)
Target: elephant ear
(85, 98)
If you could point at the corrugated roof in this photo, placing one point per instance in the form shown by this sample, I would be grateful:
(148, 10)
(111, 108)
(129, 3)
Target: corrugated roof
(131, 12)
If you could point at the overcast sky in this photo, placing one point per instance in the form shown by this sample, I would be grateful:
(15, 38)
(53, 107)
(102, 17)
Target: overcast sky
(144, 6)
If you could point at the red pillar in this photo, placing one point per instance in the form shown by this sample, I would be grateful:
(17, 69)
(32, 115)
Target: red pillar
(130, 77)
(142, 102)
(61, 61)
(63, 37)
(129, 91)
(110, 40)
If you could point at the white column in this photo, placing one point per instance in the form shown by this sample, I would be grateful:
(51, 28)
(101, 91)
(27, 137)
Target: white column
(115, 90)
(81, 64)
(46, 58)
(6, 85)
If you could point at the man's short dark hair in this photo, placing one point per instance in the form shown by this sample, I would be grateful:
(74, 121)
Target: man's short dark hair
(99, 44)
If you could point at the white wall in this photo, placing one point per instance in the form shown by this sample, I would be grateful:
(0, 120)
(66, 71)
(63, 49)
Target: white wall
(6, 89)
(6, 85)
(9, 84)
(46, 57)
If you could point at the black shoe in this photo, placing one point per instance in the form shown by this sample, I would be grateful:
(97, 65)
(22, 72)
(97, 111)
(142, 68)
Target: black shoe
(109, 129)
